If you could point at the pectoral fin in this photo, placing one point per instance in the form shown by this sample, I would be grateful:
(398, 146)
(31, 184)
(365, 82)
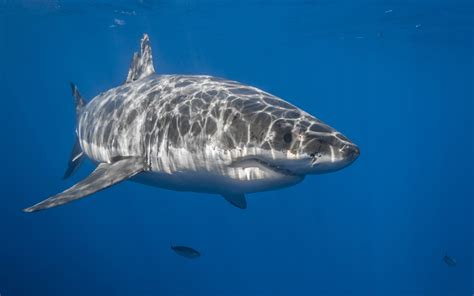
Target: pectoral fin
(237, 200)
(104, 176)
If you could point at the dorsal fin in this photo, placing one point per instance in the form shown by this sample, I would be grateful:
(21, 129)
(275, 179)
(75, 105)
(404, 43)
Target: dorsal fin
(142, 63)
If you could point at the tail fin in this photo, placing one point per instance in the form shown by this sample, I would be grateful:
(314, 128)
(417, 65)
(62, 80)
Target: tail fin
(78, 99)
(75, 159)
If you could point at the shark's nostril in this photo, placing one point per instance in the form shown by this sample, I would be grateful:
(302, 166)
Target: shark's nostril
(351, 152)
(356, 151)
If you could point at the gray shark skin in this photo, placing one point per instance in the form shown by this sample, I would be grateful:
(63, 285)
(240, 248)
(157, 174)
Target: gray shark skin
(197, 133)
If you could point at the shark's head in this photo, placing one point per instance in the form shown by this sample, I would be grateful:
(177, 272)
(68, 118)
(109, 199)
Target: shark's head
(313, 147)
(305, 145)
(268, 132)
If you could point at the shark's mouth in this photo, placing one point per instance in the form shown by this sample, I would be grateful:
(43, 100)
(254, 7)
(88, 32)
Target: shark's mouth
(315, 158)
(254, 161)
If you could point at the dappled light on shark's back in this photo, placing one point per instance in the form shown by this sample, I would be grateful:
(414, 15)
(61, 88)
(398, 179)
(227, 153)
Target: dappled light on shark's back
(181, 131)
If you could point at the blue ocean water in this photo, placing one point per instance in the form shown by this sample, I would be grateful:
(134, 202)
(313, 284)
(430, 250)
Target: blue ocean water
(396, 77)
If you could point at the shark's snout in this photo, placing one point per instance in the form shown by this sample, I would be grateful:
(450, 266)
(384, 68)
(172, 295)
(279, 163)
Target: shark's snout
(350, 152)
(332, 153)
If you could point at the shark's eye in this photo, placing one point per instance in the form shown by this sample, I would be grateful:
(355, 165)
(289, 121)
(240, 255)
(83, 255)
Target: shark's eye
(287, 138)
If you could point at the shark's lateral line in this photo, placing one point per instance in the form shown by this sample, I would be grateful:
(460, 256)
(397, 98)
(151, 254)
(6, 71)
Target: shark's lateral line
(197, 133)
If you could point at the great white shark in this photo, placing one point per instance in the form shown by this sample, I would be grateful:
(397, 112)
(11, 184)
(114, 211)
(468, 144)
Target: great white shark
(196, 133)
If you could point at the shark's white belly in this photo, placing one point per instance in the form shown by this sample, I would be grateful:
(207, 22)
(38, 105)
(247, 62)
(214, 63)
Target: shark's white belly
(208, 182)
(212, 170)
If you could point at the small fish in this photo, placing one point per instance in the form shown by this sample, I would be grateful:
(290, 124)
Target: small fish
(450, 261)
(125, 12)
(186, 252)
(389, 11)
(418, 26)
(119, 22)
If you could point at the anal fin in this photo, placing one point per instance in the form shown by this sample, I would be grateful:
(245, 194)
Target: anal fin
(237, 200)
(104, 176)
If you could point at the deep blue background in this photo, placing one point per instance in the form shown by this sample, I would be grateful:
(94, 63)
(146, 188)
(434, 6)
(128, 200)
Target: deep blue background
(394, 76)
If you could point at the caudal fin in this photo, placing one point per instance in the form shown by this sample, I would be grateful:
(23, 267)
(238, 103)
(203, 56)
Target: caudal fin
(75, 159)
(79, 101)
(77, 155)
